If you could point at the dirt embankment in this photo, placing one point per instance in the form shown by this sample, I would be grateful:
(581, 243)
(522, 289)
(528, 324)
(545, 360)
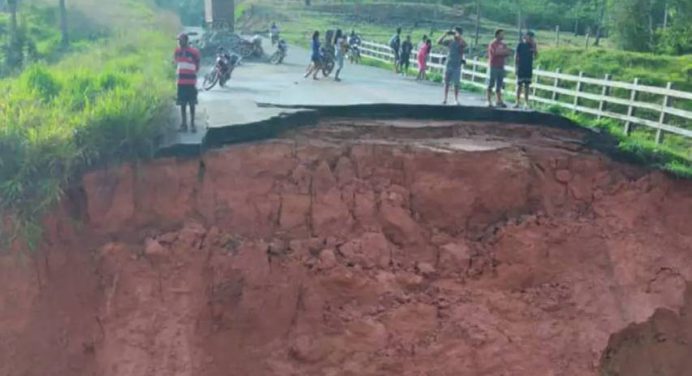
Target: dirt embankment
(482, 250)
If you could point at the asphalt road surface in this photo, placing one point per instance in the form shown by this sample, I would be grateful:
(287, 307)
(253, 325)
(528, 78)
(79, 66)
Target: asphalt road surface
(254, 83)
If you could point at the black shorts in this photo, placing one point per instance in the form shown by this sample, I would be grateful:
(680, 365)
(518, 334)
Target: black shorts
(187, 94)
(524, 75)
(524, 81)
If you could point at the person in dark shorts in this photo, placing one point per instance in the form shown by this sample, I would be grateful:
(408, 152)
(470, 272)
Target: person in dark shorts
(315, 57)
(455, 59)
(404, 61)
(497, 53)
(526, 54)
(395, 45)
(187, 60)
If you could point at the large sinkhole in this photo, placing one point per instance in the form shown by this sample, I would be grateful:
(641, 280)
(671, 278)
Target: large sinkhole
(361, 247)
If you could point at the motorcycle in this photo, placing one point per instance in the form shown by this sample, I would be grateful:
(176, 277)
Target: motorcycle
(280, 54)
(221, 71)
(328, 62)
(354, 54)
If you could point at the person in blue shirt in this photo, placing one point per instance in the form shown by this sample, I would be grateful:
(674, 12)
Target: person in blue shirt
(316, 59)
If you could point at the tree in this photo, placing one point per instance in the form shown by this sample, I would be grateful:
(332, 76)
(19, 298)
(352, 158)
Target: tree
(14, 49)
(601, 6)
(630, 24)
(63, 24)
(12, 6)
(478, 24)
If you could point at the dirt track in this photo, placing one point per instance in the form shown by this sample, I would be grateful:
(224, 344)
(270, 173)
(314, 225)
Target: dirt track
(360, 248)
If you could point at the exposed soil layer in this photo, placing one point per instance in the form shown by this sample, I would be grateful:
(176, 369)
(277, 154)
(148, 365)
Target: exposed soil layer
(382, 248)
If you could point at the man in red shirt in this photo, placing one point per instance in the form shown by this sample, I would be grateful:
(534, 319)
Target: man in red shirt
(187, 60)
(497, 53)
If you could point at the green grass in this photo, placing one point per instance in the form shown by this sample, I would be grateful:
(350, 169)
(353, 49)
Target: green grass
(670, 157)
(651, 69)
(99, 106)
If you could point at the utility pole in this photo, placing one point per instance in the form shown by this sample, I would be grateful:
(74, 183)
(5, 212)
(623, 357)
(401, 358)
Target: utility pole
(519, 28)
(220, 14)
(478, 25)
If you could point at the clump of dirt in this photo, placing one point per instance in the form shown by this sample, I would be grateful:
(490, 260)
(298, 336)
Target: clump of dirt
(356, 248)
(660, 346)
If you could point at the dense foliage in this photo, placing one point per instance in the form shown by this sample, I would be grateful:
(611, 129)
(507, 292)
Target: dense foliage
(636, 25)
(38, 36)
(191, 12)
(97, 105)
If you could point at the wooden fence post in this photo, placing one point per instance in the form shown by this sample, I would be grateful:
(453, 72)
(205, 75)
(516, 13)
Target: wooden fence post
(576, 95)
(630, 107)
(556, 84)
(533, 87)
(602, 104)
(662, 117)
(557, 35)
(475, 63)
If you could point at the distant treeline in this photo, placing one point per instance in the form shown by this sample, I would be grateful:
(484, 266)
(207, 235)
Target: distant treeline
(636, 25)
(191, 12)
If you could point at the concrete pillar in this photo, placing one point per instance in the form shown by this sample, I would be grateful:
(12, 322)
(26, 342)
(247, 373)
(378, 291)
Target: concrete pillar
(220, 14)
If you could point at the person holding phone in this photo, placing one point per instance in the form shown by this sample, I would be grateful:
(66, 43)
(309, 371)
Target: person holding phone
(497, 54)
(455, 59)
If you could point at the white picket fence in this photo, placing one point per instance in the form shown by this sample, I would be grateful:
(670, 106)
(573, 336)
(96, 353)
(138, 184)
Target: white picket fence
(547, 90)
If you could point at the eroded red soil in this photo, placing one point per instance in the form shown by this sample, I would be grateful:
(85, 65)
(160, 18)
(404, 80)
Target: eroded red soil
(480, 249)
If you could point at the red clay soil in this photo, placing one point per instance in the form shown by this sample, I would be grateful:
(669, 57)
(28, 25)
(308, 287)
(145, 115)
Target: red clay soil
(480, 249)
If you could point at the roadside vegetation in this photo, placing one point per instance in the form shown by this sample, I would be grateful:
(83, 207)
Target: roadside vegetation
(99, 102)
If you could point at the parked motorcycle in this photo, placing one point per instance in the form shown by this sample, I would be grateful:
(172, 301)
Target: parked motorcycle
(221, 71)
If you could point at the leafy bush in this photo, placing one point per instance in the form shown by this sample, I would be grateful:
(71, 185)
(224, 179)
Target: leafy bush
(676, 40)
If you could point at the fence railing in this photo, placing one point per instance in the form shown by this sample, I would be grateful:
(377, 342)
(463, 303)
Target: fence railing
(650, 106)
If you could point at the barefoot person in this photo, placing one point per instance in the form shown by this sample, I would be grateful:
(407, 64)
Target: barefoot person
(497, 53)
(423, 52)
(315, 58)
(455, 58)
(526, 53)
(405, 56)
(187, 60)
(341, 48)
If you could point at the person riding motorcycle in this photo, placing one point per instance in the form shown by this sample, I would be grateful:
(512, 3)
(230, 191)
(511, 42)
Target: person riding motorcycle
(274, 33)
(280, 54)
(224, 60)
(354, 47)
(353, 39)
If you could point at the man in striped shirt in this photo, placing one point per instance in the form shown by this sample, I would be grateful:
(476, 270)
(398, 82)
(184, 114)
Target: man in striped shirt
(187, 60)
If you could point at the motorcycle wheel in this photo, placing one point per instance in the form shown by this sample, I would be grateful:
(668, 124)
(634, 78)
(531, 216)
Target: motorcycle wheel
(276, 58)
(210, 80)
(328, 67)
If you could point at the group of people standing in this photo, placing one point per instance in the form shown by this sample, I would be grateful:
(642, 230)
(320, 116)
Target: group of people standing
(341, 46)
(453, 41)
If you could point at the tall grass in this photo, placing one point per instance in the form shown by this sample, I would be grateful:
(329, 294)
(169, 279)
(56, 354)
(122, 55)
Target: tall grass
(100, 106)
